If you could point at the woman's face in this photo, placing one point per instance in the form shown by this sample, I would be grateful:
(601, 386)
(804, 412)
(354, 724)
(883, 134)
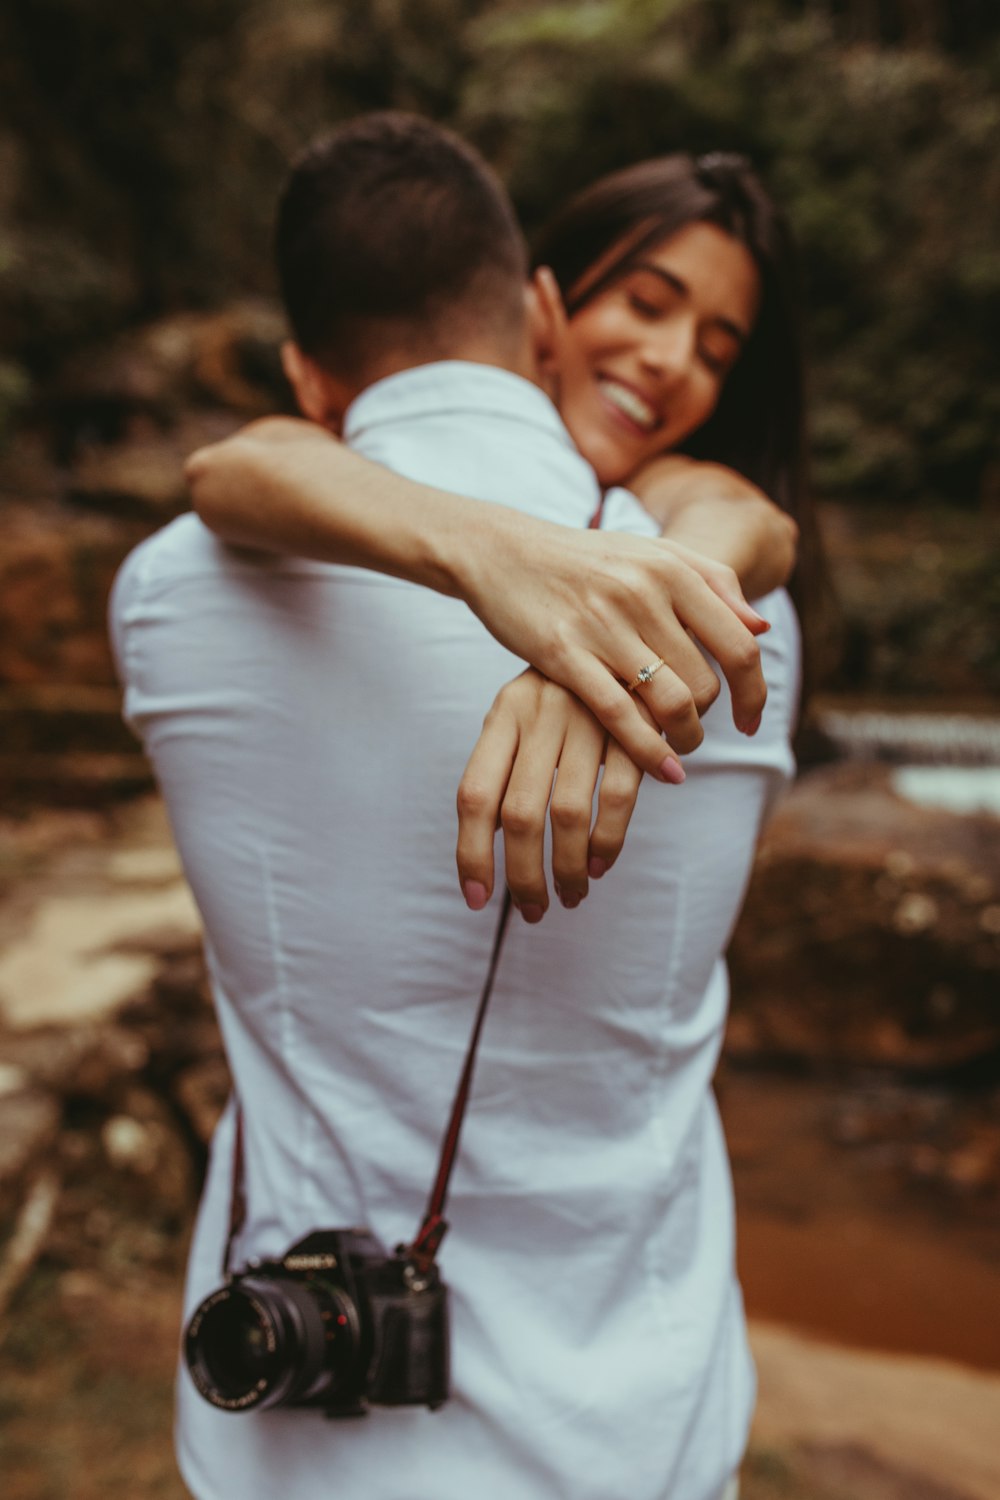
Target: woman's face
(642, 365)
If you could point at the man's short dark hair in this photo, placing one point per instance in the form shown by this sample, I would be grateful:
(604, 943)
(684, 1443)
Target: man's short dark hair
(394, 235)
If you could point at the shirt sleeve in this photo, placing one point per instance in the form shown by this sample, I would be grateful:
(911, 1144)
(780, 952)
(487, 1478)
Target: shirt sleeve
(623, 511)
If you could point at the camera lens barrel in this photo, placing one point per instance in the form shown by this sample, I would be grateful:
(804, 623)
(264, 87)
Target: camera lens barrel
(261, 1342)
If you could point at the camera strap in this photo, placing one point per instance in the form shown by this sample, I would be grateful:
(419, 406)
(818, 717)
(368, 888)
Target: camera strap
(433, 1226)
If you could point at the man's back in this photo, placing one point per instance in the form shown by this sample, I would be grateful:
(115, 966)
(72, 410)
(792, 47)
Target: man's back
(309, 726)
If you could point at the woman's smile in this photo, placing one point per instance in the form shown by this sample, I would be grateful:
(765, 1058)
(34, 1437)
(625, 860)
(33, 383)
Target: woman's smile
(637, 414)
(641, 365)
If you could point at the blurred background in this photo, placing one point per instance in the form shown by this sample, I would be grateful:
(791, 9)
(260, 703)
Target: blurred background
(140, 155)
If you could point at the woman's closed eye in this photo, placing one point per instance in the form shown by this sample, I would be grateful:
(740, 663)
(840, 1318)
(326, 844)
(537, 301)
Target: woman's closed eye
(718, 351)
(716, 363)
(644, 307)
(650, 295)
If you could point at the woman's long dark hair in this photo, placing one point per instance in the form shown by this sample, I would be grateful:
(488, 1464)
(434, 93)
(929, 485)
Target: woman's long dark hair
(758, 427)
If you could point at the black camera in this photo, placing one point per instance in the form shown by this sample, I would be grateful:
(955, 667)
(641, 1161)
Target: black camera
(336, 1323)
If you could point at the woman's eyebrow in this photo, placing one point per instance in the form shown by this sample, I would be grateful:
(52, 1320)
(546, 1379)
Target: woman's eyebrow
(676, 284)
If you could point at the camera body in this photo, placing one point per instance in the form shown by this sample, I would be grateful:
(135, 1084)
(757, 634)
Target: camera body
(336, 1323)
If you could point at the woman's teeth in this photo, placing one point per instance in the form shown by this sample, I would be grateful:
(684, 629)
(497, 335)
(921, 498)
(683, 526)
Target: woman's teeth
(631, 404)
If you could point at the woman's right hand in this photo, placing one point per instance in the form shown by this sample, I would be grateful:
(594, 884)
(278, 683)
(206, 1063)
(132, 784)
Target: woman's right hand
(590, 608)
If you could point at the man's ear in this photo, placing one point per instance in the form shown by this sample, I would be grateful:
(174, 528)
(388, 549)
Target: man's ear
(547, 324)
(321, 396)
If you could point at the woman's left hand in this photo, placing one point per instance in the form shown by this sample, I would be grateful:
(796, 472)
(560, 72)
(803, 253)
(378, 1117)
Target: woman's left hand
(541, 750)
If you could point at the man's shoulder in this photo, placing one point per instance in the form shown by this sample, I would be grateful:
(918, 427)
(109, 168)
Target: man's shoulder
(183, 565)
(185, 551)
(180, 549)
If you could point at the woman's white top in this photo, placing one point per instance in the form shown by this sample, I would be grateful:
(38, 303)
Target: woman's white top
(309, 725)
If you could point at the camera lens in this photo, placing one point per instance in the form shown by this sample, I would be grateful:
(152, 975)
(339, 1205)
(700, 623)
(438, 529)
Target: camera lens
(270, 1342)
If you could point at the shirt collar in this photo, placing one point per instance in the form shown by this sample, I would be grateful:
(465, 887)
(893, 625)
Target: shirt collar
(457, 386)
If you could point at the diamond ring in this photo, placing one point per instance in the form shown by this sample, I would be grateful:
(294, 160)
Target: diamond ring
(645, 674)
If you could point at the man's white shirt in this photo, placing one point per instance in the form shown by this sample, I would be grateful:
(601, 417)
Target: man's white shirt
(309, 725)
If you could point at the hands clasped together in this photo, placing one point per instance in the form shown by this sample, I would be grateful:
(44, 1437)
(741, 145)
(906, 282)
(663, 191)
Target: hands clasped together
(543, 745)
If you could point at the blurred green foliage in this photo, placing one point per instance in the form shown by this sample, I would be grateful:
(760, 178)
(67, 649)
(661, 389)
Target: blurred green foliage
(140, 152)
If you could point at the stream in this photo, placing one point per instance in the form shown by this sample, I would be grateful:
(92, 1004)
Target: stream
(842, 1238)
(948, 760)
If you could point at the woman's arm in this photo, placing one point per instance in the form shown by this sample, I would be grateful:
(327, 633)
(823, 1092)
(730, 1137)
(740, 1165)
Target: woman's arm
(716, 512)
(587, 608)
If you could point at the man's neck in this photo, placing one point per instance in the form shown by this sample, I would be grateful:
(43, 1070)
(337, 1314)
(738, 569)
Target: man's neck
(521, 362)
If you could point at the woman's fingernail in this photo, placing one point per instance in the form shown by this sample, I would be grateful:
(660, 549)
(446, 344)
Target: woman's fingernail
(671, 770)
(596, 867)
(753, 725)
(476, 895)
(531, 913)
(570, 899)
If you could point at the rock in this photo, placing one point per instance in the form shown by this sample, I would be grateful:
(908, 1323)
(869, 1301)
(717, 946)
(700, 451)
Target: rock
(29, 1125)
(142, 1141)
(155, 866)
(73, 780)
(56, 570)
(868, 935)
(12, 1079)
(130, 1144)
(228, 358)
(69, 967)
(138, 478)
(143, 475)
(876, 1426)
(39, 721)
(79, 1062)
(201, 1092)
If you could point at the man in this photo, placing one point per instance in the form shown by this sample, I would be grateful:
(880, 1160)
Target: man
(309, 725)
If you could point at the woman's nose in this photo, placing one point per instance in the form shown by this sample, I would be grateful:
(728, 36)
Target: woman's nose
(669, 351)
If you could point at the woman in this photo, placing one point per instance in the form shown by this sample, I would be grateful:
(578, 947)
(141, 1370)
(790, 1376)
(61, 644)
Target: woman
(680, 337)
(286, 486)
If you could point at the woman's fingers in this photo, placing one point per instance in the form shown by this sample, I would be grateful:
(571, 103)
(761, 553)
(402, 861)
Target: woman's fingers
(508, 782)
(524, 807)
(680, 690)
(616, 803)
(723, 581)
(572, 805)
(480, 793)
(621, 714)
(540, 753)
(716, 627)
